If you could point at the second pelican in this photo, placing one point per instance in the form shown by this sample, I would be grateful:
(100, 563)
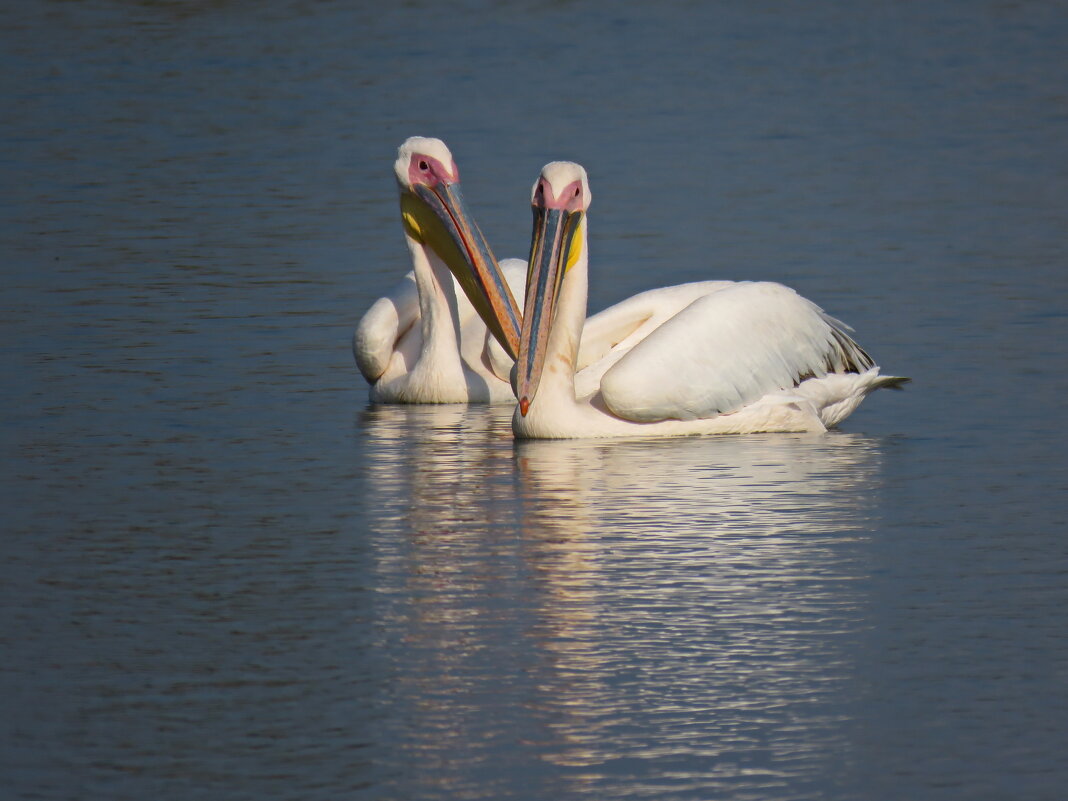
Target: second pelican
(424, 342)
(726, 357)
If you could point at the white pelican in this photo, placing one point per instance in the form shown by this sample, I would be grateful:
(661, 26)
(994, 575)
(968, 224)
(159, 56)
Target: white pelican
(716, 357)
(424, 342)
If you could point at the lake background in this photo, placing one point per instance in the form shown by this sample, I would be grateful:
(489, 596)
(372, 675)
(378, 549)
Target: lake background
(225, 576)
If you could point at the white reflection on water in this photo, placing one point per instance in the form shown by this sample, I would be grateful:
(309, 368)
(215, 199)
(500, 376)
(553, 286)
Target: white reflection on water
(679, 614)
(698, 587)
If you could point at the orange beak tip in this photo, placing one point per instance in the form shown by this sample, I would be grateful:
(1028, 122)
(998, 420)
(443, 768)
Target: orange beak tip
(524, 404)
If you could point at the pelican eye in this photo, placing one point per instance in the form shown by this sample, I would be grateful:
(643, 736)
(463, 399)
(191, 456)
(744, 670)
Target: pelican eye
(424, 166)
(578, 191)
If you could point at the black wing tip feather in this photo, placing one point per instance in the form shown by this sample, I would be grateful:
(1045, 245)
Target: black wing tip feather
(843, 354)
(853, 358)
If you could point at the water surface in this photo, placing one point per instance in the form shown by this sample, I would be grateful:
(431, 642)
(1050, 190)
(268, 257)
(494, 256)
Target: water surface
(225, 575)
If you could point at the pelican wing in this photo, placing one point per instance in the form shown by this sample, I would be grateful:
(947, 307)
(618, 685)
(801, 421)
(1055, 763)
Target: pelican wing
(515, 274)
(609, 334)
(726, 349)
(493, 355)
(381, 328)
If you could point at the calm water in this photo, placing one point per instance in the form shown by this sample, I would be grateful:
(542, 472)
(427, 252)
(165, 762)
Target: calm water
(225, 576)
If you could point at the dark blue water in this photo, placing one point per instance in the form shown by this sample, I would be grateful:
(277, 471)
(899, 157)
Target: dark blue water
(225, 576)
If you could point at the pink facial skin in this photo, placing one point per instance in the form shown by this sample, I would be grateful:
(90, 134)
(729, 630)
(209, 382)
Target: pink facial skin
(429, 171)
(570, 198)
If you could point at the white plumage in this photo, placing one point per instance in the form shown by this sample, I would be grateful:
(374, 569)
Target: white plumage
(709, 357)
(390, 341)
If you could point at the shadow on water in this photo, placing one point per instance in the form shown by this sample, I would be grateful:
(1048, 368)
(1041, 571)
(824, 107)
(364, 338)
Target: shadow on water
(536, 590)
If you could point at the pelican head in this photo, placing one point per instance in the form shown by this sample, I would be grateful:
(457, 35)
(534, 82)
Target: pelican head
(436, 217)
(559, 200)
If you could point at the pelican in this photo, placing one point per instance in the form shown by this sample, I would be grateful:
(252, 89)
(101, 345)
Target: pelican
(427, 342)
(716, 357)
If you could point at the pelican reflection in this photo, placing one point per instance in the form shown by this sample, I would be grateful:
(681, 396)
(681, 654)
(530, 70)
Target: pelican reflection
(439, 490)
(606, 601)
(722, 572)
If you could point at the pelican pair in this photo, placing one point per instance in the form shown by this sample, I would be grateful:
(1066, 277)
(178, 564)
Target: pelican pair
(701, 358)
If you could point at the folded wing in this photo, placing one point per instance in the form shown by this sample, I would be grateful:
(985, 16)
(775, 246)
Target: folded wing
(726, 349)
